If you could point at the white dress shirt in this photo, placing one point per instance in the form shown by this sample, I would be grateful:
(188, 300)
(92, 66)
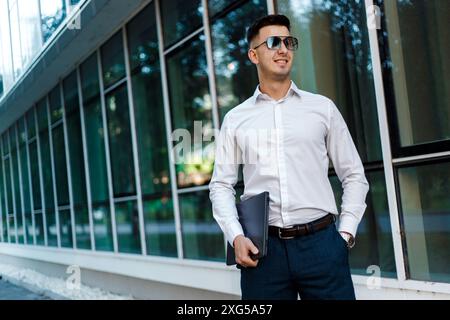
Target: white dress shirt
(285, 146)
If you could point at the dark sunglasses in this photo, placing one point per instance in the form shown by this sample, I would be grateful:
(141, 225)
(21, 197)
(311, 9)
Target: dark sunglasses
(274, 43)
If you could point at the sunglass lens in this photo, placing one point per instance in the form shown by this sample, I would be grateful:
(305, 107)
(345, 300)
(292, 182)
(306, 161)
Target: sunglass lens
(273, 42)
(291, 43)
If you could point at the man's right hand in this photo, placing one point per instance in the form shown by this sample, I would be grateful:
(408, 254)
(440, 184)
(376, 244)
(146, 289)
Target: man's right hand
(243, 246)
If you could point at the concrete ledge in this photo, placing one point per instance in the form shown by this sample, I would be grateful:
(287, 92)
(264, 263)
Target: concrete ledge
(114, 283)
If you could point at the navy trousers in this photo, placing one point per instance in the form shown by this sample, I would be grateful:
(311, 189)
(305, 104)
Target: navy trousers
(314, 266)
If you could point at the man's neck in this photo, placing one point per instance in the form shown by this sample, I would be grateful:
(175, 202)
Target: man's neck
(275, 89)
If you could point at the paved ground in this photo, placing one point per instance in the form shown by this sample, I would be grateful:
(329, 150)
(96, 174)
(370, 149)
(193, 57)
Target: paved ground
(9, 291)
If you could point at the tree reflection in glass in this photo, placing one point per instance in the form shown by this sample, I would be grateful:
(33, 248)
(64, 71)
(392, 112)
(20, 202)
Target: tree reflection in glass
(334, 60)
(190, 101)
(236, 76)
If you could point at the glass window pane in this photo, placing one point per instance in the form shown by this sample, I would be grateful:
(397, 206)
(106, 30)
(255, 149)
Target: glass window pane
(53, 12)
(39, 228)
(77, 170)
(202, 237)
(102, 227)
(90, 84)
(29, 229)
(420, 78)
(190, 103)
(96, 151)
(50, 216)
(82, 227)
(9, 197)
(127, 226)
(95, 134)
(113, 62)
(12, 229)
(425, 206)
(334, 60)
(30, 29)
(121, 152)
(216, 6)
(59, 155)
(65, 228)
(160, 233)
(24, 165)
(16, 184)
(15, 39)
(35, 178)
(180, 18)
(3, 202)
(6, 63)
(31, 125)
(47, 175)
(148, 103)
(374, 237)
(236, 76)
(56, 109)
(5, 144)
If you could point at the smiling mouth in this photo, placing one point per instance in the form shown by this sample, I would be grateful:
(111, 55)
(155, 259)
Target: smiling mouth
(281, 61)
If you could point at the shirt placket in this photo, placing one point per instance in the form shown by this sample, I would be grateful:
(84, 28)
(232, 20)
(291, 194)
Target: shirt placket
(281, 163)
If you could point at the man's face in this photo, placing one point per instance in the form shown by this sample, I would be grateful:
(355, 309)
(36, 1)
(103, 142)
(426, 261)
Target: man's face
(272, 63)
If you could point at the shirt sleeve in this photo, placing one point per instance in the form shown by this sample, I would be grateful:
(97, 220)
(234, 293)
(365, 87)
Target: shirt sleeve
(225, 175)
(349, 169)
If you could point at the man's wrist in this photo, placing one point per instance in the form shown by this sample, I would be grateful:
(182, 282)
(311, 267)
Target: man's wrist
(348, 237)
(237, 237)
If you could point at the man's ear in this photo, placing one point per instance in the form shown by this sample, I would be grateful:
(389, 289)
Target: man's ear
(253, 56)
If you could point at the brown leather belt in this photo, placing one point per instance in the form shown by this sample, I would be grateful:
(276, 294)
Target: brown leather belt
(302, 229)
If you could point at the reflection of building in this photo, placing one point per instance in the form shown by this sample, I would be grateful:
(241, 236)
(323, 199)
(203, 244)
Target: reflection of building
(85, 119)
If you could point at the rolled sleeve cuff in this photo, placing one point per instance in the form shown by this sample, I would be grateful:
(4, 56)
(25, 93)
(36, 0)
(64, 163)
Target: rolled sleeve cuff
(234, 229)
(348, 223)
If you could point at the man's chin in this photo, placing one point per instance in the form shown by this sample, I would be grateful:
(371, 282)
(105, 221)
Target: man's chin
(282, 75)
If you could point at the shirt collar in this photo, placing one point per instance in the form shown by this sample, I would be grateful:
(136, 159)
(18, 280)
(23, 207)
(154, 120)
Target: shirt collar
(258, 94)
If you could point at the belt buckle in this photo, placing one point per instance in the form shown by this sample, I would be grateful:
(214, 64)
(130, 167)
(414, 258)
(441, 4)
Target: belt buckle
(284, 238)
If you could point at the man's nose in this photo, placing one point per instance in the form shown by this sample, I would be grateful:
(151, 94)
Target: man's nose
(283, 48)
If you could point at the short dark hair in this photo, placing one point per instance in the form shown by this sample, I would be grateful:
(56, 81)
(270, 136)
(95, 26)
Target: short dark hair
(269, 20)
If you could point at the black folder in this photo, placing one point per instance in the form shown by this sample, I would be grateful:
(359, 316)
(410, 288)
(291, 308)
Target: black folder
(253, 216)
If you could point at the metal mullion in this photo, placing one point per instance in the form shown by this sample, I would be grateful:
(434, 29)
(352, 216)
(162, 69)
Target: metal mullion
(41, 177)
(125, 199)
(184, 40)
(13, 192)
(193, 189)
(11, 49)
(20, 38)
(86, 160)
(107, 155)
(68, 166)
(5, 190)
(40, 29)
(64, 207)
(115, 85)
(386, 151)
(210, 65)
(134, 144)
(424, 157)
(22, 202)
(56, 123)
(211, 78)
(52, 161)
(30, 184)
(173, 181)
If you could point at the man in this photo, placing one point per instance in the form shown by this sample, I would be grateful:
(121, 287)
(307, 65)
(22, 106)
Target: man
(306, 255)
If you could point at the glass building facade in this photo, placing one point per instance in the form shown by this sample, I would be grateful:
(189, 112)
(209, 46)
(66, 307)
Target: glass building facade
(89, 165)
